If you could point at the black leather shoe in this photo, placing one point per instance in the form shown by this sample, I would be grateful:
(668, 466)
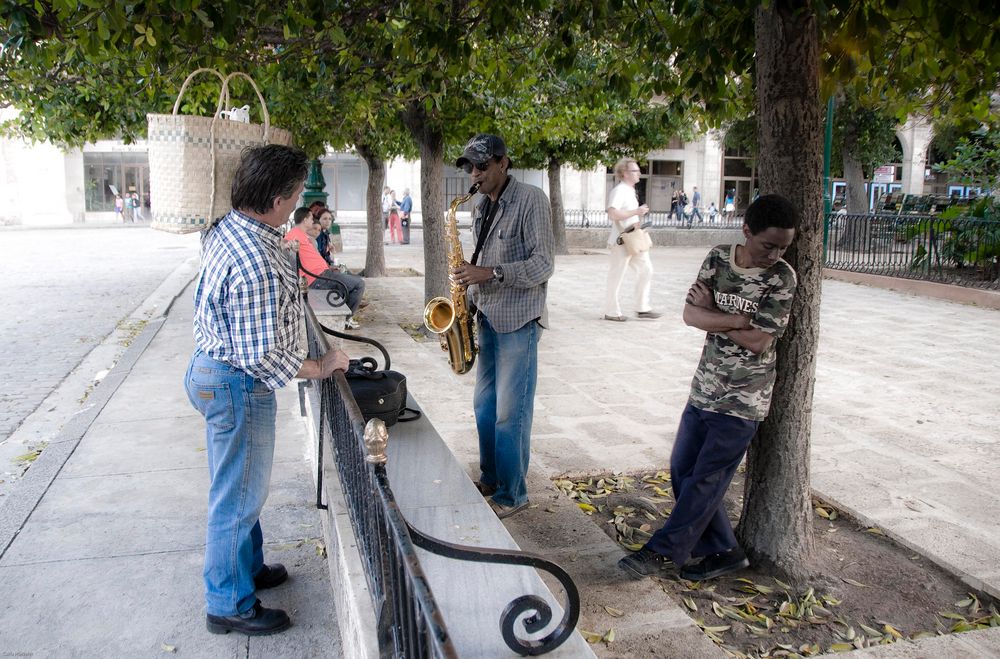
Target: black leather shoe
(716, 565)
(270, 576)
(258, 621)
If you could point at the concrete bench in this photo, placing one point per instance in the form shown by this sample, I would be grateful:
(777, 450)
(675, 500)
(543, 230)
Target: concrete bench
(437, 498)
(329, 307)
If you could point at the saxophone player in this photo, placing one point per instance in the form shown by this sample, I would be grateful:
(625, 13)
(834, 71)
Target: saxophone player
(507, 281)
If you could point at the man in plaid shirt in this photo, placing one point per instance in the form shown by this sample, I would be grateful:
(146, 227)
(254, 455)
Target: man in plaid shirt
(246, 331)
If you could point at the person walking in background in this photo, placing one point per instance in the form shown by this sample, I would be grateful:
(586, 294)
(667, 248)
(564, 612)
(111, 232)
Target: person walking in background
(625, 212)
(129, 208)
(395, 228)
(136, 208)
(515, 245)
(741, 299)
(246, 332)
(119, 208)
(695, 206)
(729, 206)
(405, 208)
(681, 208)
(386, 205)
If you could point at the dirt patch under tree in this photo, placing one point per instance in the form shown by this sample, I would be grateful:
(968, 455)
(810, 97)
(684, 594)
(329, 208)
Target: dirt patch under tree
(867, 589)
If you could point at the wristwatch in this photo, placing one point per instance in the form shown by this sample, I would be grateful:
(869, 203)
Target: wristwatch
(498, 273)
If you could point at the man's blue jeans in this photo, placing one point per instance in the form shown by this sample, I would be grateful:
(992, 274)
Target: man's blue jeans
(239, 413)
(707, 451)
(504, 406)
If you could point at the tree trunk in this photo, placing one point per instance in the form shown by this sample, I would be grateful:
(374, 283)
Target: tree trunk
(556, 204)
(776, 525)
(430, 140)
(375, 254)
(853, 237)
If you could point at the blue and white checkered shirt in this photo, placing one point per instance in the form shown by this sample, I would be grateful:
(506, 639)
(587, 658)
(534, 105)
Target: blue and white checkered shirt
(246, 305)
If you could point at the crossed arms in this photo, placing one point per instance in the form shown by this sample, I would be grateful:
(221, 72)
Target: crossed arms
(700, 311)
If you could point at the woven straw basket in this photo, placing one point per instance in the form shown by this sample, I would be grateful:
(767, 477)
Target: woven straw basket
(192, 160)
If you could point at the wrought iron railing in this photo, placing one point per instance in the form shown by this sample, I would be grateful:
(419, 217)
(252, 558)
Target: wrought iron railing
(963, 250)
(659, 219)
(409, 620)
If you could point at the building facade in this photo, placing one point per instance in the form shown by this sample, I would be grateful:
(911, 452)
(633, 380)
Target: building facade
(41, 184)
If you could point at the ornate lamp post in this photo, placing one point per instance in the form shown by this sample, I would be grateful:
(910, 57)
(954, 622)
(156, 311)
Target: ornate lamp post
(315, 184)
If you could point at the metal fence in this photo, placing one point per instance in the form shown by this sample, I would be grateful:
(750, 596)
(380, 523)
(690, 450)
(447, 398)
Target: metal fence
(963, 251)
(409, 621)
(660, 219)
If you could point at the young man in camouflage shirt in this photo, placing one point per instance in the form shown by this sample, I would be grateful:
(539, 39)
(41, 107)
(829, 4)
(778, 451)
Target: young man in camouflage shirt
(741, 299)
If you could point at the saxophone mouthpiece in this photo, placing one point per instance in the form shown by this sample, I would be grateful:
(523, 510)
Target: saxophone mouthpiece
(474, 189)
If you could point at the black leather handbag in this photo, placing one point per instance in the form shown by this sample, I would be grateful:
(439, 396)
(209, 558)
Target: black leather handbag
(379, 394)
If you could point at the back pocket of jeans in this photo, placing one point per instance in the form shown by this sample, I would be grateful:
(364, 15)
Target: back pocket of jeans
(215, 402)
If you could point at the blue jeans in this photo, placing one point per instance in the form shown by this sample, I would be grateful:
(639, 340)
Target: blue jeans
(708, 449)
(239, 412)
(504, 406)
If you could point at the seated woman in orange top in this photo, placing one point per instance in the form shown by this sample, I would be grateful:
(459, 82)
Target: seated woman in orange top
(314, 268)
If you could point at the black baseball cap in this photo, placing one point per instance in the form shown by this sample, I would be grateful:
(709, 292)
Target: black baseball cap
(481, 148)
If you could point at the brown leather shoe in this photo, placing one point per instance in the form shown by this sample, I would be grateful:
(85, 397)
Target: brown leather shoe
(649, 314)
(486, 490)
(503, 511)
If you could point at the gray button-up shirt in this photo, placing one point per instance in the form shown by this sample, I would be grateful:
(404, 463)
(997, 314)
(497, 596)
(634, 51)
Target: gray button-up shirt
(521, 242)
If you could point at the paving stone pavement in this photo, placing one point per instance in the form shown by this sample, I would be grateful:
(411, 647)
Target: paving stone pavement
(63, 291)
(905, 417)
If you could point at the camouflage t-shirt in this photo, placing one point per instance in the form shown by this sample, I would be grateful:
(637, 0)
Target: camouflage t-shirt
(731, 379)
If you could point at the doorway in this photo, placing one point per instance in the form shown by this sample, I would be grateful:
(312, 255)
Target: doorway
(136, 179)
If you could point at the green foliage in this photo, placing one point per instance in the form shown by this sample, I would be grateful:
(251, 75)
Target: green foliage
(976, 159)
(869, 133)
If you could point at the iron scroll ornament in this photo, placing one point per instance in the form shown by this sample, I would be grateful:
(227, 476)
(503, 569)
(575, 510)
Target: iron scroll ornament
(541, 613)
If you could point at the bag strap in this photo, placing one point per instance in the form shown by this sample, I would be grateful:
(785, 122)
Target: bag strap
(223, 94)
(414, 415)
(223, 100)
(359, 339)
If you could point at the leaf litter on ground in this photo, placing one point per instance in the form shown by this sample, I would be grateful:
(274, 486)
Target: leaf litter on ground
(748, 617)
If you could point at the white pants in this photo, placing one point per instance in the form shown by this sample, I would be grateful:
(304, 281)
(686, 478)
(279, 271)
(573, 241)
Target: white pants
(643, 268)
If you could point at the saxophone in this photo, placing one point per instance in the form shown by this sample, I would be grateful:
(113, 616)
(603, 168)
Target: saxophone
(450, 318)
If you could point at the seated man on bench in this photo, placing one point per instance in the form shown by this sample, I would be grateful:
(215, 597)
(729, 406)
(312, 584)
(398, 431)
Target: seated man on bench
(314, 268)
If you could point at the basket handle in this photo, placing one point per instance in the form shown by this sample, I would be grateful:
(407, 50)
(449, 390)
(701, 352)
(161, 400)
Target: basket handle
(223, 94)
(260, 97)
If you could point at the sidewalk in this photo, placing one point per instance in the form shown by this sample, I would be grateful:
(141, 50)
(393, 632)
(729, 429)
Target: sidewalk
(904, 436)
(108, 564)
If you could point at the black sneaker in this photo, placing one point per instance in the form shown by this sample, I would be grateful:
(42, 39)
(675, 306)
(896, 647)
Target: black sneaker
(643, 563)
(258, 621)
(716, 565)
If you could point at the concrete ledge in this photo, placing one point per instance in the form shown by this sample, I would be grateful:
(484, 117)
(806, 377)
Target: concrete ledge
(355, 615)
(698, 236)
(322, 307)
(435, 496)
(975, 296)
